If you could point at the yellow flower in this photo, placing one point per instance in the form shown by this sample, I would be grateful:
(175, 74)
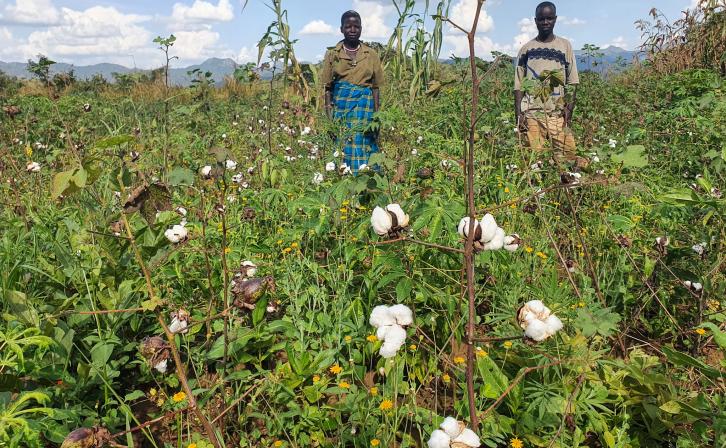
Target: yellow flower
(512, 206)
(541, 255)
(160, 402)
(353, 238)
(227, 250)
(700, 331)
(335, 369)
(516, 443)
(316, 378)
(508, 344)
(375, 442)
(279, 242)
(294, 245)
(286, 250)
(529, 250)
(581, 304)
(28, 151)
(411, 258)
(481, 352)
(343, 217)
(446, 378)
(412, 347)
(179, 396)
(374, 390)
(347, 339)
(152, 392)
(344, 385)
(343, 210)
(386, 405)
(192, 445)
(637, 218)
(346, 202)
(371, 338)
(506, 189)
(459, 360)
(278, 443)
(219, 227)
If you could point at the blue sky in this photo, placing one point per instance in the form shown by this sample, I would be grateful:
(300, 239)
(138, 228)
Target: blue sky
(84, 31)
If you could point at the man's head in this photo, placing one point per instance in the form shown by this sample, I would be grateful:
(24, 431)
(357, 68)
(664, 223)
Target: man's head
(351, 26)
(545, 17)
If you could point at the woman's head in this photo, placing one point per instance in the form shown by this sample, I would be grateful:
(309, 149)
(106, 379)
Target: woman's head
(351, 26)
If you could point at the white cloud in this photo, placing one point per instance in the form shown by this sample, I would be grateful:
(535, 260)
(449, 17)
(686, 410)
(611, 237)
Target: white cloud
(619, 42)
(202, 12)
(246, 55)
(374, 19)
(462, 14)
(483, 45)
(317, 27)
(571, 21)
(194, 46)
(527, 32)
(30, 12)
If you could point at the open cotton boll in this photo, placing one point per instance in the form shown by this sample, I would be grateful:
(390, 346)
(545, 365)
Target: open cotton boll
(230, 165)
(511, 242)
(249, 268)
(381, 221)
(396, 335)
(439, 439)
(381, 332)
(33, 167)
(318, 178)
(464, 225)
(401, 217)
(176, 234)
(489, 229)
(389, 350)
(402, 314)
(497, 242)
(161, 366)
(381, 316)
(536, 330)
(451, 427)
(330, 166)
(553, 324)
(536, 306)
(206, 171)
(468, 438)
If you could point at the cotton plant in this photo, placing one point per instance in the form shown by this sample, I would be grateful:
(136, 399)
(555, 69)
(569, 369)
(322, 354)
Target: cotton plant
(390, 323)
(453, 434)
(693, 286)
(33, 167)
(176, 233)
(488, 235)
(389, 221)
(330, 166)
(179, 322)
(538, 321)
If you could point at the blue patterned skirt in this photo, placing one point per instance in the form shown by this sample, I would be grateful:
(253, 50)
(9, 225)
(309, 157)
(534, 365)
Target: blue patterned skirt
(354, 106)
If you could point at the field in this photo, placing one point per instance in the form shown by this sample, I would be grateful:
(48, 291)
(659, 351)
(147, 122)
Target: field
(147, 200)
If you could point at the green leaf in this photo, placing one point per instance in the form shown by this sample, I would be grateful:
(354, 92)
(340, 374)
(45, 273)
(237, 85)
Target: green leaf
(181, 176)
(101, 353)
(671, 407)
(116, 140)
(633, 157)
(61, 184)
(403, 289)
(718, 335)
(684, 360)
(151, 304)
(134, 395)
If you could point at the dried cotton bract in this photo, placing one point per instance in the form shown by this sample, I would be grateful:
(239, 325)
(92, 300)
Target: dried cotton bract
(390, 220)
(453, 434)
(389, 323)
(537, 321)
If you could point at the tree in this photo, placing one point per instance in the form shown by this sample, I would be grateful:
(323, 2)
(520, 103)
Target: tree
(41, 68)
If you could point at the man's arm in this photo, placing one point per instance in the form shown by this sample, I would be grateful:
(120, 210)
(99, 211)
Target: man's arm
(518, 116)
(376, 99)
(570, 107)
(328, 102)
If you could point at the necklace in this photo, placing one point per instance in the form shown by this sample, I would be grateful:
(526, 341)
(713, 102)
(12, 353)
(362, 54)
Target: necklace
(351, 50)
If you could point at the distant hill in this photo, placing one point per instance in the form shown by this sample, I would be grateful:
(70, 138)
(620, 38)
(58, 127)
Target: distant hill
(612, 58)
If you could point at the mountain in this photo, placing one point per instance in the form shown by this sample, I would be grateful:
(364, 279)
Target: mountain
(606, 59)
(177, 76)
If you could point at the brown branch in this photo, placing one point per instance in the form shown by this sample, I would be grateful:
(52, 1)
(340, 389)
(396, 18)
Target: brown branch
(514, 383)
(422, 243)
(150, 422)
(238, 400)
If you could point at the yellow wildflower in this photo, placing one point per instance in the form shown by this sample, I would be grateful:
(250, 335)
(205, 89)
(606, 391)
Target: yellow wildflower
(279, 242)
(160, 402)
(179, 396)
(344, 385)
(581, 304)
(528, 249)
(347, 339)
(219, 227)
(316, 378)
(152, 392)
(371, 338)
(286, 250)
(446, 378)
(335, 369)
(28, 151)
(192, 445)
(278, 443)
(481, 352)
(411, 257)
(700, 331)
(412, 347)
(373, 390)
(386, 405)
(516, 443)
(346, 202)
(506, 189)
(541, 255)
(459, 360)
(508, 344)
(375, 442)
(343, 210)
(227, 250)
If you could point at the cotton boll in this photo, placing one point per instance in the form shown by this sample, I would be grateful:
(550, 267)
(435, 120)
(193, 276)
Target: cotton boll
(161, 366)
(330, 166)
(230, 165)
(464, 228)
(497, 242)
(536, 330)
(249, 268)
(381, 221)
(318, 178)
(402, 314)
(389, 350)
(468, 438)
(401, 217)
(489, 229)
(554, 324)
(697, 286)
(206, 171)
(439, 439)
(176, 233)
(382, 332)
(451, 427)
(33, 167)
(536, 306)
(511, 242)
(381, 316)
(396, 335)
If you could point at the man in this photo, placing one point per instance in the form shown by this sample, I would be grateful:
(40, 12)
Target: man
(551, 119)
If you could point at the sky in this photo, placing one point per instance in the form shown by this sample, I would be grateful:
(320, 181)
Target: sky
(84, 32)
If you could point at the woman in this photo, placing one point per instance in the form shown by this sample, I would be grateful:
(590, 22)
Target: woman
(352, 75)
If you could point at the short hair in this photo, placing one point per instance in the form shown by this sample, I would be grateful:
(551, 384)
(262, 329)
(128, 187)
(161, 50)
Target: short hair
(347, 15)
(545, 5)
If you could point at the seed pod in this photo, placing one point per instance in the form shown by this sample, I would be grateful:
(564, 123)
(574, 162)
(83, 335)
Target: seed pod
(425, 173)
(248, 292)
(95, 437)
(156, 351)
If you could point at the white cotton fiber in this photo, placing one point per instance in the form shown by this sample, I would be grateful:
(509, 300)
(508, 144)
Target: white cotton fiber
(381, 316)
(554, 324)
(389, 350)
(439, 439)
(497, 242)
(382, 332)
(488, 228)
(396, 335)
(536, 330)
(451, 427)
(402, 314)
(161, 366)
(469, 438)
